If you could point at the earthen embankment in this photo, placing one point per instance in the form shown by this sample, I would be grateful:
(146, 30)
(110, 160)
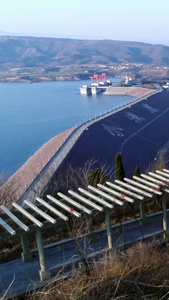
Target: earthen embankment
(16, 185)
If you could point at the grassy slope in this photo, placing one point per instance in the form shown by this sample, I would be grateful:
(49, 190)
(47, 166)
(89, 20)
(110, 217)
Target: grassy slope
(139, 273)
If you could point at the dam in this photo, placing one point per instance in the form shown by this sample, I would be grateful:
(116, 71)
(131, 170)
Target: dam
(101, 139)
(138, 132)
(96, 87)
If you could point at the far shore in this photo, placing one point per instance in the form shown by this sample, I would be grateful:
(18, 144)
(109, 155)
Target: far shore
(45, 79)
(35, 81)
(41, 79)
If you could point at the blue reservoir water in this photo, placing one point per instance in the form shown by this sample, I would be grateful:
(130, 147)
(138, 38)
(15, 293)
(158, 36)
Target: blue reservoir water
(31, 114)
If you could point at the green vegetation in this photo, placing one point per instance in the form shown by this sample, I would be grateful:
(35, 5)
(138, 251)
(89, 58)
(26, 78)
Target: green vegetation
(119, 169)
(137, 172)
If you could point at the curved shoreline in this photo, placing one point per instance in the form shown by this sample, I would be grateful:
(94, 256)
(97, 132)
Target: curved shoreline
(16, 184)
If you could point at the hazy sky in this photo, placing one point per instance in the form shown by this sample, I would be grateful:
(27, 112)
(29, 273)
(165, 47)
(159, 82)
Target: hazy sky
(146, 20)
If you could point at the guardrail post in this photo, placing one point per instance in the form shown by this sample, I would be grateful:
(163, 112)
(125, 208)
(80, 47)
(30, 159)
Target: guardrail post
(26, 254)
(142, 212)
(109, 231)
(43, 273)
(164, 208)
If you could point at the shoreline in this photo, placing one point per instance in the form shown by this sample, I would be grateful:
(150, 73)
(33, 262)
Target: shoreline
(46, 79)
(39, 81)
(17, 183)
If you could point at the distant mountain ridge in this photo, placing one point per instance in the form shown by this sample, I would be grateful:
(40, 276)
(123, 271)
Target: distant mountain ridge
(34, 51)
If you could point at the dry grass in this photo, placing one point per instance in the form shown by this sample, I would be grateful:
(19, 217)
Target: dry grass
(161, 160)
(140, 273)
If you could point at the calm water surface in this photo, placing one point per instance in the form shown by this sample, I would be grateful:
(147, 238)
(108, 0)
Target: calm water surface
(31, 114)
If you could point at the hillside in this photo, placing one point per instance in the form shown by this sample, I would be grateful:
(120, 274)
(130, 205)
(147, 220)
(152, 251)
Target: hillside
(32, 51)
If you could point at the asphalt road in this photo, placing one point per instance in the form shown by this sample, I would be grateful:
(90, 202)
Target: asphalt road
(17, 277)
(138, 132)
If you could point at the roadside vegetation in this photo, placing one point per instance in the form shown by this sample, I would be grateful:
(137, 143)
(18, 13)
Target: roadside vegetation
(140, 272)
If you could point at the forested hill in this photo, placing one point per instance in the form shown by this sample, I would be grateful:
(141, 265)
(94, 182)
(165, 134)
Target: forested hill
(30, 51)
